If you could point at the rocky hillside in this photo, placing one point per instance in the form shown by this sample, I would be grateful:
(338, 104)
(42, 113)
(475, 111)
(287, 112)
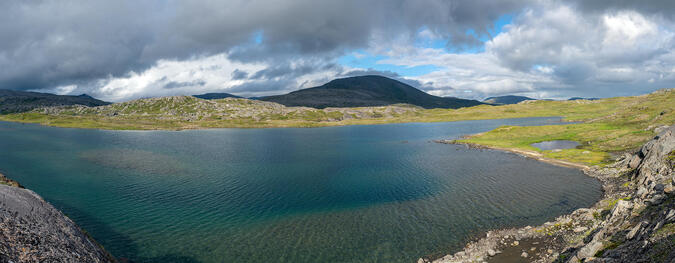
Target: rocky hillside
(616, 124)
(634, 222)
(366, 91)
(186, 112)
(188, 108)
(641, 226)
(21, 101)
(32, 230)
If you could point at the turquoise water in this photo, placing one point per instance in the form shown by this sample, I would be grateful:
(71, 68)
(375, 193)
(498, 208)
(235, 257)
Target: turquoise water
(377, 193)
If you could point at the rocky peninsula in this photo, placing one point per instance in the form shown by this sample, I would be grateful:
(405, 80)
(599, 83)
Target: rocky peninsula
(32, 230)
(634, 222)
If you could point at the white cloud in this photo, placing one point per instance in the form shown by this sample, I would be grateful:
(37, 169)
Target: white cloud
(207, 74)
(171, 77)
(60, 90)
(555, 51)
(551, 50)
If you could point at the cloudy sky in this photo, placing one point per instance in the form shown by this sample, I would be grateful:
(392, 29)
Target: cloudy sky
(122, 50)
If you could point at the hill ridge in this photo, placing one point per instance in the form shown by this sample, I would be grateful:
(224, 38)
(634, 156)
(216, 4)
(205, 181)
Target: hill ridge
(12, 101)
(366, 91)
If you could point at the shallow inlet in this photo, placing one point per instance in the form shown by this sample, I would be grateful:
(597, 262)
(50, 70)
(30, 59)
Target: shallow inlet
(555, 145)
(374, 193)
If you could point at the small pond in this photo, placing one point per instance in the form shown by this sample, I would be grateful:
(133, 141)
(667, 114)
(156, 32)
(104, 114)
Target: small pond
(555, 145)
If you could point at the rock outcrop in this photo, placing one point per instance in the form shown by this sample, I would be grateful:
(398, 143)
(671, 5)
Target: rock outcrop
(634, 222)
(640, 228)
(32, 230)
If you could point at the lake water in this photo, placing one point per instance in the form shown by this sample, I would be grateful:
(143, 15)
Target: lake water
(376, 193)
(555, 145)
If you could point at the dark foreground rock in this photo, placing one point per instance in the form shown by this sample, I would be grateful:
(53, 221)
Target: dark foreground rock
(634, 222)
(32, 230)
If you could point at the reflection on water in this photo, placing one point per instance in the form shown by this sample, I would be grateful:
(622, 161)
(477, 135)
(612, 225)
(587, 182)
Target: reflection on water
(347, 194)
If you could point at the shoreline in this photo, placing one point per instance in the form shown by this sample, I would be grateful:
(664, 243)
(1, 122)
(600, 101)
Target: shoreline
(587, 233)
(529, 154)
(570, 235)
(492, 245)
(308, 125)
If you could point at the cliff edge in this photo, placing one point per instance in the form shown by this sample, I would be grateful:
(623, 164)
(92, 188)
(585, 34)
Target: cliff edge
(640, 227)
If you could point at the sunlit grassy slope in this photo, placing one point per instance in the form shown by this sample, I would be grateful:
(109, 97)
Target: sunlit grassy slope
(609, 125)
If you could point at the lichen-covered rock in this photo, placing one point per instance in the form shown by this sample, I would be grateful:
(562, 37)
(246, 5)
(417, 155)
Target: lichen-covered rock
(639, 229)
(32, 230)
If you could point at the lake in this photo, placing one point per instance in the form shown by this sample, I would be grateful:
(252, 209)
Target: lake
(373, 193)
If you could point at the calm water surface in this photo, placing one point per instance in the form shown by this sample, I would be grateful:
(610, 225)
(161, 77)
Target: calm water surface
(381, 193)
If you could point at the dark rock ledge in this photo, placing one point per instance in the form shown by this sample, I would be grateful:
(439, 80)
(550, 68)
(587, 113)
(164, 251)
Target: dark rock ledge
(634, 222)
(32, 230)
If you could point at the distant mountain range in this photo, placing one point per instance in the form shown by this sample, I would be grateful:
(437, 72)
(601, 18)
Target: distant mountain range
(513, 99)
(361, 91)
(580, 98)
(215, 96)
(366, 91)
(19, 101)
(508, 99)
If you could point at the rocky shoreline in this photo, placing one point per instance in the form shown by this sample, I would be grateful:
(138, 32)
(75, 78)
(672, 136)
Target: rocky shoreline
(32, 230)
(633, 222)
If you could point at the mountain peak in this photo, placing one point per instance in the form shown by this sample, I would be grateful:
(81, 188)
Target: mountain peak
(365, 91)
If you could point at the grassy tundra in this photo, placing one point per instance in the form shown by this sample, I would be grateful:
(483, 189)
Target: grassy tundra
(606, 126)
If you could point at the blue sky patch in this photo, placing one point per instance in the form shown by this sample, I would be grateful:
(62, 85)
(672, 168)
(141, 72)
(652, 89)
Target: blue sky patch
(362, 59)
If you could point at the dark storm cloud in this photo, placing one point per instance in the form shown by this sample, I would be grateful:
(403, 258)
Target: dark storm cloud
(50, 43)
(370, 71)
(175, 85)
(255, 87)
(238, 74)
(663, 7)
(281, 71)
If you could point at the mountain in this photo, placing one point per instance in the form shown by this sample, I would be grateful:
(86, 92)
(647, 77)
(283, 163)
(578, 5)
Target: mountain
(508, 99)
(20, 101)
(215, 96)
(580, 98)
(365, 91)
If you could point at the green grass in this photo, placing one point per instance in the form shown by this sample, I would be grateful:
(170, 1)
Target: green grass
(666, 230)
(607, 125)
(610, 125)
(608, 246)
(612, 203)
